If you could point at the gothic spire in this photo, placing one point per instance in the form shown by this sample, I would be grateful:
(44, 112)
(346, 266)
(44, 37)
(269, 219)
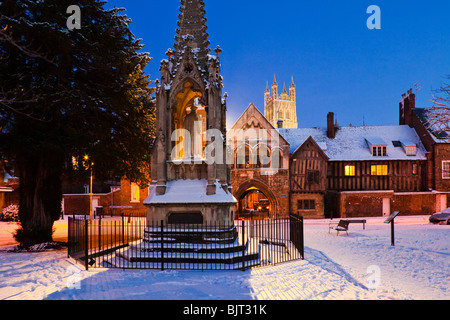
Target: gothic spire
(192, 22)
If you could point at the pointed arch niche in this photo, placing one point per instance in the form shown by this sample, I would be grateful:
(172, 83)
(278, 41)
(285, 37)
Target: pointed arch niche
(188, 109)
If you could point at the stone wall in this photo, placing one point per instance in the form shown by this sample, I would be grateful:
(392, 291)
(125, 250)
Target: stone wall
(319, 207)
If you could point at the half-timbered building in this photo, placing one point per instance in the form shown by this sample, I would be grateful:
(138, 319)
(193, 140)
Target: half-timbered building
(334, 171)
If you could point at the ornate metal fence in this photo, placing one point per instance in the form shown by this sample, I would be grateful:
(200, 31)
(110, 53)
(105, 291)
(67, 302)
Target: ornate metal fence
(131, 243)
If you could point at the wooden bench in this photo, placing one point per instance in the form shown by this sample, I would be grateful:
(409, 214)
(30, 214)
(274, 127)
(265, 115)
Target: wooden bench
(363, 221)
(340, 227)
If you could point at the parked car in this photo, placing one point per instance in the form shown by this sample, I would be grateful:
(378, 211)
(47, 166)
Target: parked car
(441, 217)
(263, 206)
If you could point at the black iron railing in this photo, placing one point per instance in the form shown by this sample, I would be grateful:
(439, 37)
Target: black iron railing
(133, 243)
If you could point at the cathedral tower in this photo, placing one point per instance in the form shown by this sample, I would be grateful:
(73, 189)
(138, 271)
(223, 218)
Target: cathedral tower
(281, 107)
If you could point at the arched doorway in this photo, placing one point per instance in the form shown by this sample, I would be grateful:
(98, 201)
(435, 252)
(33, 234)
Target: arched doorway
(255, 201)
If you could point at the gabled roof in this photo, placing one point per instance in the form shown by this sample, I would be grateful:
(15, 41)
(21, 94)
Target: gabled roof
(247, 114)
(316, 145)
(350, 143)
(252, 117)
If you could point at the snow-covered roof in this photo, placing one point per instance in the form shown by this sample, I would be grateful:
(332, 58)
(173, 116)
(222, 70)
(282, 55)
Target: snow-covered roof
(375, 141)
(188, 192)
(436, 132)
(350, 142)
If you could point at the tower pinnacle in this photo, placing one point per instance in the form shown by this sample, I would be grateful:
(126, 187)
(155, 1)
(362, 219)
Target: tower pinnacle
(192, 23)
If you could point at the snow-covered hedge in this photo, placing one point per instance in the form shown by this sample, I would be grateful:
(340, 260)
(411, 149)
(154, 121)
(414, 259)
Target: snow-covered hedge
(10, 213)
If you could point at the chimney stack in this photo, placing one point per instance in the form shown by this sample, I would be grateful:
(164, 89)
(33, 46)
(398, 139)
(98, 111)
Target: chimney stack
(331, 130)
(406, 106)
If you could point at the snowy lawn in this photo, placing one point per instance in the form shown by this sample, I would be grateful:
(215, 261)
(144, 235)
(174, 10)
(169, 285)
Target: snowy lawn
(359, 266)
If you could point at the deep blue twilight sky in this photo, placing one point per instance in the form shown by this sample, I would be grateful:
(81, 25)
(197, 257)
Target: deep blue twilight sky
(338, 64)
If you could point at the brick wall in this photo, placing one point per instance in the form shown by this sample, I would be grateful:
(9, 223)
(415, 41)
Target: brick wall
(362, 204)
(441, 153)
(367, 204)
(79, 203)
(423, 203)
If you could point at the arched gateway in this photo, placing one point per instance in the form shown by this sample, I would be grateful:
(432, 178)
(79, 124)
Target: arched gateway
(256, 201)
(260, 174)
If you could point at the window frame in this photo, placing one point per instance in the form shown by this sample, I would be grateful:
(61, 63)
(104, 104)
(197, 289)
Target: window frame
(350, 170)
(379, 151)
(306, 204)
(445, 169)
(380, 170)
(313, 176)
(135, 190)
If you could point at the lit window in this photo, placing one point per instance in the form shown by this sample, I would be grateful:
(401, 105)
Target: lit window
(135, 193)
(350, 171)
(446, 169)
(379, 170)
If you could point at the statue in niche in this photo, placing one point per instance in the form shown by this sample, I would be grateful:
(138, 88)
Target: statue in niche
(193, 140)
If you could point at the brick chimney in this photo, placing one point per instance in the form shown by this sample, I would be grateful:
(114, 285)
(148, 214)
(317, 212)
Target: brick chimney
(331, 130)
(406, 106)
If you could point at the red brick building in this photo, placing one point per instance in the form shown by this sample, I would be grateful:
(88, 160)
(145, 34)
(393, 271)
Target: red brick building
(436, 142)
(127, 198)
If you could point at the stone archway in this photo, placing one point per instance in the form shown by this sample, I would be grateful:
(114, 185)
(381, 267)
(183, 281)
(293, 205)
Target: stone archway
(251, 186)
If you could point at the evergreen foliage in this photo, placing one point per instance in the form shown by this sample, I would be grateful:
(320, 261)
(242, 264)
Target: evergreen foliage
(65, 94)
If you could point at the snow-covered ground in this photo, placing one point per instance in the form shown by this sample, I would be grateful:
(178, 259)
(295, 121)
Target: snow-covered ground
(359, 266)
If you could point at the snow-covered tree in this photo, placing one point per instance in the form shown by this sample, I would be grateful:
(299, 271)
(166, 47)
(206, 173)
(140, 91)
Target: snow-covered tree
(69, 93)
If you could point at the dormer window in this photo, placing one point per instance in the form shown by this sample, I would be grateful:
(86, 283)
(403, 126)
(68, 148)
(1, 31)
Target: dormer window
(379, 151)
(377, 146)
(409, 147)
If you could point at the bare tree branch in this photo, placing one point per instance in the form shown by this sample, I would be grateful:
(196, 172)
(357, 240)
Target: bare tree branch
(5, 37)
(439, 114)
